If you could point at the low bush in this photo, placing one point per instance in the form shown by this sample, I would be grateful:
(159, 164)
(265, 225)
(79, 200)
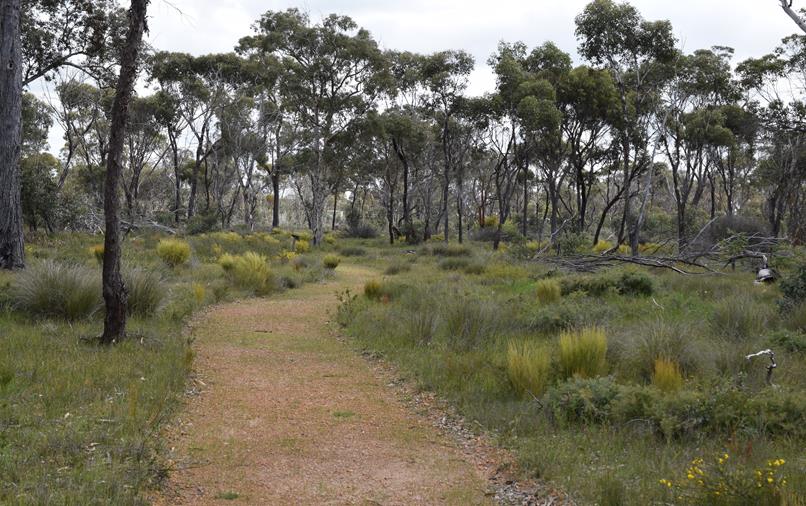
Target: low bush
(251, 271)
(475, 268)
(146, 291)
(789, 340)
(739, 317)
(528, 366)
(331, 261)
(353, 251)
(97, 251)
(667, 377)
(396, 267)
(227, 262)
(583, 400)
(173, 252)
(302, 246)
(451, 250)
(373, 289)
(793, 288)
(53, 289)
(635, 283)
(454, 264)
(548, 291)
(583, 353)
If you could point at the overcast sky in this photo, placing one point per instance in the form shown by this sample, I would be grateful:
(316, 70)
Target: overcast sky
(751, 27)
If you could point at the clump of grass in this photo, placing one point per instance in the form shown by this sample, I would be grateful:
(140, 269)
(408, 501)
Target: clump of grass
(54, 289)
(97, 251)
(602, 246)
(227, 262)
(373, 289)
(454, 264)
(302, 246)
(331, 261)
(199, 292)
(667, 377)
(796, 317)
(396, 267)
(353, 251)
(146, 292)
(548, 291)
(739, 317)
(583, 353)
(173, 252)
(251, 271)
(475, 268)
(451, 250)
(528, 366)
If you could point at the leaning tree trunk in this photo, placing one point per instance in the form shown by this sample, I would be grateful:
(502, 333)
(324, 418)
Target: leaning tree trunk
(115, 293)
(12, 252)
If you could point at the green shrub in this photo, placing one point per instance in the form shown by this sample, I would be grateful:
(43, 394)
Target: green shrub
(548, 291)
(53, 289)
(173, 252)
(454, 264)
(667, 377)
(302, 246)
(451, 250)
(583, 400)
(331, 261)
(739, 317)
(227, 262)
(353, 251)
(373, 289)
(635, 283)
(789, 340)
(528, 366)
(396, 267)
(146, 292)
(475, 268)
(251, 271)
(583, 353)
(793, 288)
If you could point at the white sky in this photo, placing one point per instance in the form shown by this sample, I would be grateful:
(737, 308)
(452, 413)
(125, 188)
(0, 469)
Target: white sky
(751, 27)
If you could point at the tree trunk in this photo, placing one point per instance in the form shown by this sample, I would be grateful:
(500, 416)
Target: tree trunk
(275, 205)
(335, 208)
(12, 251)
(114, 291)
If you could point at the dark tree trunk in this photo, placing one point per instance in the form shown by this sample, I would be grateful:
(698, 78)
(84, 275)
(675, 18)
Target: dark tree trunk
(114, 291)
(275, 205)
(177, 180)
(335, 208)
(12, 252)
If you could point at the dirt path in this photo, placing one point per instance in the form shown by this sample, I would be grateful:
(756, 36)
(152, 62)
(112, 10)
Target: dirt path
(288, 414)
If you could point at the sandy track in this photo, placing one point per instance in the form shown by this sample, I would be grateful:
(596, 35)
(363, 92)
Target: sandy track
(288, 414)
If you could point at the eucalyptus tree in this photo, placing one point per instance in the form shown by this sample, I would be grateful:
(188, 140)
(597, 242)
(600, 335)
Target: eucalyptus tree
(445, 75)
(689, 122)
(614, 36)
(333, 73)
(114, 291)
(144, 149)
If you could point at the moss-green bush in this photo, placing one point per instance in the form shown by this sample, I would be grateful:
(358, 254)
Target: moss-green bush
(667, 377)
(54, 289)
(251, 271)
(173, 252)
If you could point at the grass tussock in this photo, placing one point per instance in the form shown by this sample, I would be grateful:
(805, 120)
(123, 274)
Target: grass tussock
(146, 291)
(331, 261)
(528, 366)
(174, 252)
(667, 376)
(583, 353)
(56, 290)
(251, 272)
(548, 291)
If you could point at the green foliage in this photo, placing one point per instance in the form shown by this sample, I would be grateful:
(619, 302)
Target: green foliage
(204, 222)
(548, 291)
(454, 264)
(451, 250)
(331, 261)
(146, 291)
(789, 341)
(635, 283)
(740, 317)
(57, 290)
(302, 246)
(173, 252)
(353, 251)
(793, 288)
(583, 400)
(528, 366)
(572, 244)
(583, 353)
